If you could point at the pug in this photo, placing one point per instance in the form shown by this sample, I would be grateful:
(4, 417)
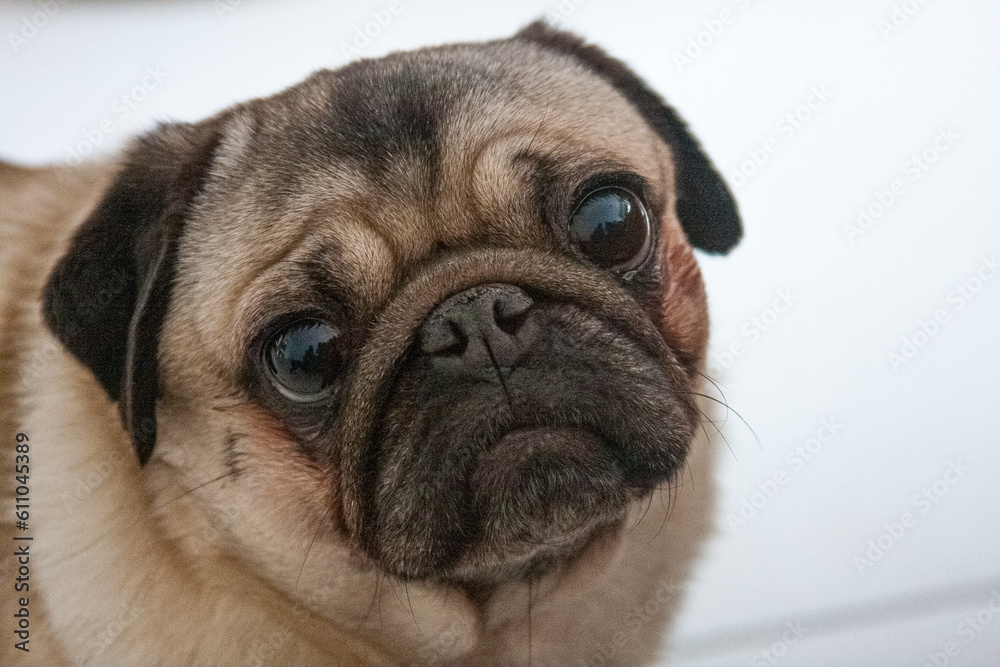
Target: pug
(399, 365)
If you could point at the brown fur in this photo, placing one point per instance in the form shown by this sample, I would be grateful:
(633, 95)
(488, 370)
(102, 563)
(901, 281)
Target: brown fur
(372, 194)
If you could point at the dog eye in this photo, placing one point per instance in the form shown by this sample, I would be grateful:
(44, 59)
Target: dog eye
(611, 227)
(303, 360)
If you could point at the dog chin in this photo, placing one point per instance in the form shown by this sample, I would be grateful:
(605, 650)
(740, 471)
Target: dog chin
(488, 566)
(540, 492)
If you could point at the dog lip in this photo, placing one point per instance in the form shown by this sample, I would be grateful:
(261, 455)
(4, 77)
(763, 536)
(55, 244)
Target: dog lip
(530, 469)
(540, 493)
(520, 445)
(482, 565)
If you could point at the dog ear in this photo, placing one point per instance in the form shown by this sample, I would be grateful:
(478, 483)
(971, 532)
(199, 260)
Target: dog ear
(107, 297)
(705, 206)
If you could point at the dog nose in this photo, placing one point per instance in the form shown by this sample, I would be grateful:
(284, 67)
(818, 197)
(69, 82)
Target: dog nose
(484, 326)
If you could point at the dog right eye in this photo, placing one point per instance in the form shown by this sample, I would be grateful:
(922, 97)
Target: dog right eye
(304, 360)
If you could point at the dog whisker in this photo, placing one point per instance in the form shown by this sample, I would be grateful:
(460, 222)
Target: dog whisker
(319, 527)
(221, 477)
(409, 604)
(649, 504)
(530, 638)
(545, 114)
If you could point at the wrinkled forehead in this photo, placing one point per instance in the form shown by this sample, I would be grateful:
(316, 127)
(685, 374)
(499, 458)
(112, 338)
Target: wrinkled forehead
(369, 170)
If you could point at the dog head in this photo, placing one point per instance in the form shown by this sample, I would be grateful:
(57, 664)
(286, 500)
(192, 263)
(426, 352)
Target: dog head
(435, 314)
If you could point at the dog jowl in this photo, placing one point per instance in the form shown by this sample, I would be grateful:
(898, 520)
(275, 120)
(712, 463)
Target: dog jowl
(434, 316)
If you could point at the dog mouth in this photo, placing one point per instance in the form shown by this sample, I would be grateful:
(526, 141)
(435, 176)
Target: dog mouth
(513, 508)
(538, 495)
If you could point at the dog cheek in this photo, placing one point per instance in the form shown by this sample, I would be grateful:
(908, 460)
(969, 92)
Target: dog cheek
(684, 319)
(284, 472)
(252, 478)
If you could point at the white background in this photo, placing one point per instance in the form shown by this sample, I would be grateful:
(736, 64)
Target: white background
(885, 95)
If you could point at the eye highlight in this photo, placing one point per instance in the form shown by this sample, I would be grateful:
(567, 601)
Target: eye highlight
(611, 227)
(303, 360)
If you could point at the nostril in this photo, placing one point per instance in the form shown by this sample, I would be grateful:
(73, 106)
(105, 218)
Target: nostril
(458, 345)
(509, 321)
(511, 312)
(483, 326)
(443, 337)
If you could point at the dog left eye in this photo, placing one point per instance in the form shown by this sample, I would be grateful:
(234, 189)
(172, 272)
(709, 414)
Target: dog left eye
(304, 361)
(611, 227)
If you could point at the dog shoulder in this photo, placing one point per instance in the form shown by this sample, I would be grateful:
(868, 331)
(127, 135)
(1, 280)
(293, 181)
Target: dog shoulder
(39, 207)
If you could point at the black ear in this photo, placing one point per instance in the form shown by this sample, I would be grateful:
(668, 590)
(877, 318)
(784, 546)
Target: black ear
(107, 297)
(705, 206)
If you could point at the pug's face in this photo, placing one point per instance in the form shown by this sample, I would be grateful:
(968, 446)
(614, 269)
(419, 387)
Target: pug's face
(434, 315)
